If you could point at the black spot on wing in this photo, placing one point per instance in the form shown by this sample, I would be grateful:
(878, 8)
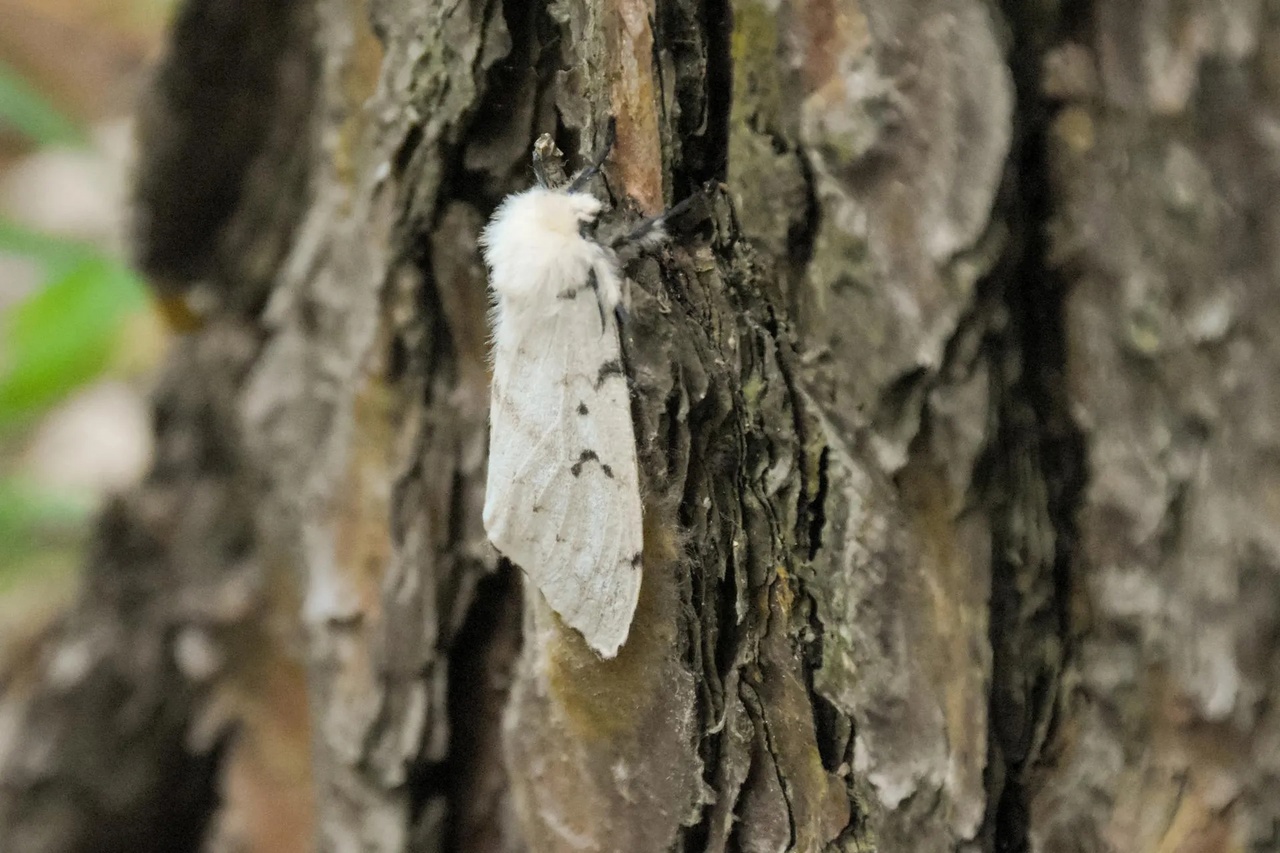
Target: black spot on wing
(612, 367)
(589, 456)
(585, 457)
(582, 409)
(569, 293)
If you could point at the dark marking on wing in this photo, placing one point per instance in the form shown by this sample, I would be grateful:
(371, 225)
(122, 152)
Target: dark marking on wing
(636, 560)
(612, 367)
(571, 293)
(608, 472)
(582, 409)
(585, 457)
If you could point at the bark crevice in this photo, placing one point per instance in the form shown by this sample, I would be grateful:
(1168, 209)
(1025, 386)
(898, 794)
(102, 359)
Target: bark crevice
(1039, 457)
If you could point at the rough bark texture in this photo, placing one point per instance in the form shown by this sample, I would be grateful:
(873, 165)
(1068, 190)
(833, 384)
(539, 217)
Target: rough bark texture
(954, 404)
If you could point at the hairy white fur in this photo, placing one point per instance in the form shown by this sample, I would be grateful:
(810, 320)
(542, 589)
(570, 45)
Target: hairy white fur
(563, 497)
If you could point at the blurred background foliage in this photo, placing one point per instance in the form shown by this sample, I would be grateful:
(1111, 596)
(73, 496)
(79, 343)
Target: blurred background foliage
(63, 333)
(80, 343)
(78, 334)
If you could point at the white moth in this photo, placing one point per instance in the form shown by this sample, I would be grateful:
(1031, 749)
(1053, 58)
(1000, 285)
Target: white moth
(563, 495)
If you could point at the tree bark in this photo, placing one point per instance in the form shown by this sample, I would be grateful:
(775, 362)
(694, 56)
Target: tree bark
(954, 406)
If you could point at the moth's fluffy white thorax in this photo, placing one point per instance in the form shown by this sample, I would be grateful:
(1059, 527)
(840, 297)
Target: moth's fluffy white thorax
(533, 245)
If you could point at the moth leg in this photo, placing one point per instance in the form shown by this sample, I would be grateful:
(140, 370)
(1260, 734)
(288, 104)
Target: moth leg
(593, 281)
(607, 281)
(622, 307)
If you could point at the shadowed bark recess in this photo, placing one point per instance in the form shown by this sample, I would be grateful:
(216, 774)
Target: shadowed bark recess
(953, 400)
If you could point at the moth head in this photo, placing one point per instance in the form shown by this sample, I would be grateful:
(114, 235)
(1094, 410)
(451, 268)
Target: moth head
(539, 236)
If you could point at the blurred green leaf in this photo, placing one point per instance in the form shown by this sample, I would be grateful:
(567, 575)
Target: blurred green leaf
(55, 254)
(28, 112)
(26, 509)
(64, 334)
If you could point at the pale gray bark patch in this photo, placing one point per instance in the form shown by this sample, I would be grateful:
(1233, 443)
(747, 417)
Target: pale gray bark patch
(1165, 228)
(898, 119)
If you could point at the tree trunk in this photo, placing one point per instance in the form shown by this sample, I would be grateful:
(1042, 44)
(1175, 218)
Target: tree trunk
(954, 406)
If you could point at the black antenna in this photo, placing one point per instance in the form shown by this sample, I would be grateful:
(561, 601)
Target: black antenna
(646, 227)
(610, 136)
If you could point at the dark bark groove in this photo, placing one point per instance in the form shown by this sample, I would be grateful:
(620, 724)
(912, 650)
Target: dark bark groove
(1039, 462)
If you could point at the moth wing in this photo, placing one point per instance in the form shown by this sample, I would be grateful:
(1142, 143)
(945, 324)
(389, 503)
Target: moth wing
(563, 496)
